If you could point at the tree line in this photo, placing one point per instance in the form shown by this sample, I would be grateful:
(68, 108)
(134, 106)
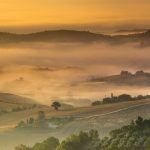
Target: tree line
(120, 98)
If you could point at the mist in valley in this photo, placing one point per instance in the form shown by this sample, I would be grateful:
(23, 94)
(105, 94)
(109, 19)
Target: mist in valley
(60, 71)
(48, 72)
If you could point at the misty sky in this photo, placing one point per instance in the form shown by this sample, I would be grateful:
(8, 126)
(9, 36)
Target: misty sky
(48, 71)
(51, 13)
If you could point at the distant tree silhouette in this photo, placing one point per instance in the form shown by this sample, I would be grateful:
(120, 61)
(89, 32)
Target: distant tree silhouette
(139, 121)
(56, 105)
(124, 97)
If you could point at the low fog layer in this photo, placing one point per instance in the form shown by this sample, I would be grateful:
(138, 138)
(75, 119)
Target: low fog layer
(48, 72)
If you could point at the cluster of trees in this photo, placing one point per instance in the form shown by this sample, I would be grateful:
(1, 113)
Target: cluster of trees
(39, 122)
(120, 98)
(49, 144)
(135, 136)
(83, 141)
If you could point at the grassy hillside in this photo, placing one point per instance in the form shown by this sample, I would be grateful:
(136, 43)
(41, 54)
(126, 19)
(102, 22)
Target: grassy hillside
(15, 99)
(82, 114)
(104, 118)
(13, 103)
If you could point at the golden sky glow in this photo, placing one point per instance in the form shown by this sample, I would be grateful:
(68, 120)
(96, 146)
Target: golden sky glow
(37, 12)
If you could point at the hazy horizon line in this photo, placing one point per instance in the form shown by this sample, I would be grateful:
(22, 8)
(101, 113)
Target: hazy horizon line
(97, 28)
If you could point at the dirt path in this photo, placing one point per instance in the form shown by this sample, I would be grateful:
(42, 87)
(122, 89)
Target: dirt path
(115, 111)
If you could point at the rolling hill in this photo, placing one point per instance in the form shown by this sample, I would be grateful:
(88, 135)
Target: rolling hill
(15, 99)
(140, 78)
(104, 118)
(74, 36)
(52, 36)
(10, 101)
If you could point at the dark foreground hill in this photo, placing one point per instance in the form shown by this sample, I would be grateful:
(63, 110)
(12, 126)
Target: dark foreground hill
(75, 36)
(53, 36)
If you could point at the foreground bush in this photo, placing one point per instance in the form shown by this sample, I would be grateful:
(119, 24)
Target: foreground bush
(84, 141)
(49, 144)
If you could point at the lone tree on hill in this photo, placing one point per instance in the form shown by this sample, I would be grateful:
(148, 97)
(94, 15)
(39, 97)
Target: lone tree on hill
(56, 105)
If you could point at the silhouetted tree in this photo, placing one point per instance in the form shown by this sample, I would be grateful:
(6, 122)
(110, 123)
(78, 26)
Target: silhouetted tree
(56, 105)
(139, 121)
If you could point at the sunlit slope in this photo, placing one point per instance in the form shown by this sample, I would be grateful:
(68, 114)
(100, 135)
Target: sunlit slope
(81, 114)
(104, 118)
(14, 108)
(15, 99)
(11, 103)
(108, 117)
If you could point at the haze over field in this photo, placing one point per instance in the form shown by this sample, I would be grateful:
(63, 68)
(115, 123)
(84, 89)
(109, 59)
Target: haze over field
(50, 71)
